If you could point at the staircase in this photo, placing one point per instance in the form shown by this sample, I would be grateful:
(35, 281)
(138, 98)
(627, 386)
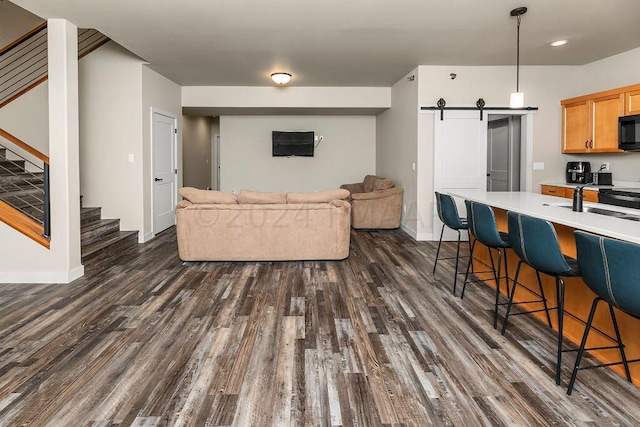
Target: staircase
(23, 191)
(102, 236)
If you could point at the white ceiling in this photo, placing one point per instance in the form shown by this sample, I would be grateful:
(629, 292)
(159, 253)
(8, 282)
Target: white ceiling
(347, 42)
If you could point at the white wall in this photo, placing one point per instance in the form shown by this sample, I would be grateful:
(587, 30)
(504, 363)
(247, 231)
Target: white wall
(286, 97)
(162, 94)
(215, 130)
(15, 22)
(110, 130)
(346, 155)
(27, 118)
(544, 87)
(609, 73)
(397, 148)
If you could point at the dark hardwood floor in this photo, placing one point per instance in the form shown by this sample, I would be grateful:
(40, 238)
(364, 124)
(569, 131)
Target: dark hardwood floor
(146, 340)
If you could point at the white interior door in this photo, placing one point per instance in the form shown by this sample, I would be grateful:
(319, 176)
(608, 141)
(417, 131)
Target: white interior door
(460, 159)
(164, 171)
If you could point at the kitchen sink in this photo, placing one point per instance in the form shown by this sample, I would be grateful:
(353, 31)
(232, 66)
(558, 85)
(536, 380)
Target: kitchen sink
(606, 212)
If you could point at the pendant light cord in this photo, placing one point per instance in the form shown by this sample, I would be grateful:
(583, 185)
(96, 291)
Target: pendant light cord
(518, 57)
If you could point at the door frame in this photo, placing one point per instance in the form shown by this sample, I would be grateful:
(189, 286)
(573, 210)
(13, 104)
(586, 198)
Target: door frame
(155, 111)
(526, 165)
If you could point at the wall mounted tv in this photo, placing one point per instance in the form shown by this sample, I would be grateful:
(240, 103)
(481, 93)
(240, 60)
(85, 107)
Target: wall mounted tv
(287, 144)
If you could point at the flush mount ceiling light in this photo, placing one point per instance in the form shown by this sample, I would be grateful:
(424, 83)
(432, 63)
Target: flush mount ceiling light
(281, 78)
(558, 43)
(517, 98)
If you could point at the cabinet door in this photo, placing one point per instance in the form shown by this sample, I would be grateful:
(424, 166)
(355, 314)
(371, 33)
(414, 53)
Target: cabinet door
(587, 195)
(575, 127)
(632, 102)
(590, 196)
(552, 190)
(605, 113)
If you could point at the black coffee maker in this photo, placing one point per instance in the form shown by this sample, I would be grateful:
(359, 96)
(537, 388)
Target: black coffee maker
(577, 172)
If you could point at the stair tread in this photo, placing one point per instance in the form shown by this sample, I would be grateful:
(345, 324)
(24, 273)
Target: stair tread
(90, 226)
(106, 241)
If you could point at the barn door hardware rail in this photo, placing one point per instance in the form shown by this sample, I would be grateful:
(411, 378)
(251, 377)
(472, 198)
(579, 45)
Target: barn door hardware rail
(441, 105)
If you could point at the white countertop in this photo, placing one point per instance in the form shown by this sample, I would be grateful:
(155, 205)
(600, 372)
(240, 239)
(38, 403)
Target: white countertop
(548, 207)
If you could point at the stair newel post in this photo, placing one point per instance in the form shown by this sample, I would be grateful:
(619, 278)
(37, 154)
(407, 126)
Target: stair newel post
(46, 208)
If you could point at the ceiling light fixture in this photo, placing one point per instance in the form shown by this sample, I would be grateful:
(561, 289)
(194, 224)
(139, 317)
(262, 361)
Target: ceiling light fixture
(559, 43)
(517, 98)
(281, 78)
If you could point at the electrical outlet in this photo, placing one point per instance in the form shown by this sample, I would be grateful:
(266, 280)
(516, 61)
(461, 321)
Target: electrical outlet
(605, 166)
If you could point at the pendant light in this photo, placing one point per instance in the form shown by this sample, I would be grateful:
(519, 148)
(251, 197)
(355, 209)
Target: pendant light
(517, 97)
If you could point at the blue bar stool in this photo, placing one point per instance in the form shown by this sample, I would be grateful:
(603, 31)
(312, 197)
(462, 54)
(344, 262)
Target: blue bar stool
(482, 224)
(448, 214)
(536, 243)
(605, 267)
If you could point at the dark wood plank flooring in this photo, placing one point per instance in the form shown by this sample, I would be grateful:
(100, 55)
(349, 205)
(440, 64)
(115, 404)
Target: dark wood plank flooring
(146, 340)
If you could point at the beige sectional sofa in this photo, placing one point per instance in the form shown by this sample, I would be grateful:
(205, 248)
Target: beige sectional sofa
(257, 226)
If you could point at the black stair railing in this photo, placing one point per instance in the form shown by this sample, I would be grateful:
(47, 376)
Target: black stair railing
(24, 180)
(24, 171)
(24, 63)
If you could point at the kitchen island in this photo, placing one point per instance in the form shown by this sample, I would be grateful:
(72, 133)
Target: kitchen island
(578, 296)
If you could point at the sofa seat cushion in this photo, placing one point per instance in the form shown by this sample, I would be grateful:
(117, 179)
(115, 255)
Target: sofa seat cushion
(195, 195)
(317, 197)
(261, 198)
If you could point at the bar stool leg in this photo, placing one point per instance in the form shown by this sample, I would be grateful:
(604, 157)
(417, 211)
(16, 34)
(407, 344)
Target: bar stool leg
(438, 251)
(620, 345)
(583, 344)
(544, 299)
(455, 277)
(513, 292)
(560, 296)
(469, 265)
(495, 307)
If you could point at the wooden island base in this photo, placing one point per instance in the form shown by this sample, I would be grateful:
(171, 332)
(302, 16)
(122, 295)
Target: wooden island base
(578, 300)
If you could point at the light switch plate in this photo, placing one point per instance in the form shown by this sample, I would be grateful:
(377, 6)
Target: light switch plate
(130, 158)
(538, 166)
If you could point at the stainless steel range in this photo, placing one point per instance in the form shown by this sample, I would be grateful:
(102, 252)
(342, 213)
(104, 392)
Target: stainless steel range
(627, 197)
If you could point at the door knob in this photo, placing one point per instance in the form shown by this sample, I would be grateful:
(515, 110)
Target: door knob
(158, 179)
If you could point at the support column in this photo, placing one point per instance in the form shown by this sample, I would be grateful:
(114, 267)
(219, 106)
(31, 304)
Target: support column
(64, 146)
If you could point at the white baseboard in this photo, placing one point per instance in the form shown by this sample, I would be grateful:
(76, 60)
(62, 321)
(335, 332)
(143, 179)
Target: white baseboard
(425, 237)
(145, 238)
(43, 277)
(419, 237)
(409, 231)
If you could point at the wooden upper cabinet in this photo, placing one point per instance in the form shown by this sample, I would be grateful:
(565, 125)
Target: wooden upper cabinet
(604, 118)
(575, 127)
(632, 102)
(590, 122)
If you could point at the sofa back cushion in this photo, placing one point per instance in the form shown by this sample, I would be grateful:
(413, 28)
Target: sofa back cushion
(261, 198)
(368, 182)
(317, 197)
(376, 183)
(195, 195)
(382, 184)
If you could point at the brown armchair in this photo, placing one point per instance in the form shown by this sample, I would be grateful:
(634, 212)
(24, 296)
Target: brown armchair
(375, 203)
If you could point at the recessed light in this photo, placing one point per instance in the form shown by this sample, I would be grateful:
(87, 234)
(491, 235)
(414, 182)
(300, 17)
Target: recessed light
(559, 43)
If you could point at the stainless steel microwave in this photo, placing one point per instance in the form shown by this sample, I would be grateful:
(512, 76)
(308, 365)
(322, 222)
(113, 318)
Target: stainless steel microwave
(629, 132)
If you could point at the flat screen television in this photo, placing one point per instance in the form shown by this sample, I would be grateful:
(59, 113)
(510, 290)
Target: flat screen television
(287, 144)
